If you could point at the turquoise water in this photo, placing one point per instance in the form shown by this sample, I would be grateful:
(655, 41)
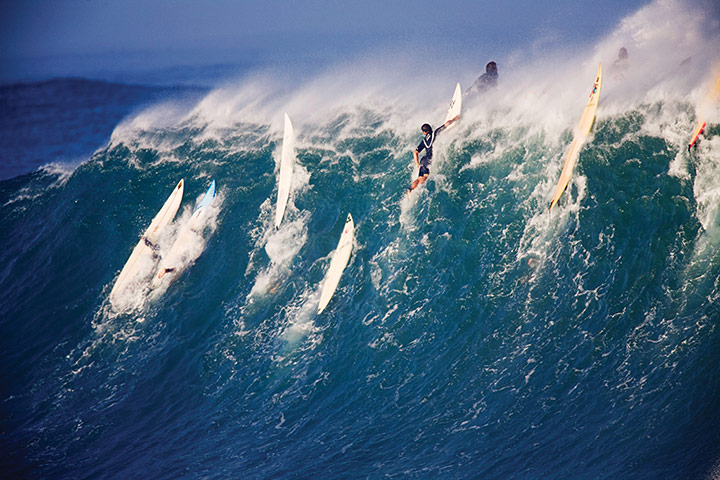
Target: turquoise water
(473, 333)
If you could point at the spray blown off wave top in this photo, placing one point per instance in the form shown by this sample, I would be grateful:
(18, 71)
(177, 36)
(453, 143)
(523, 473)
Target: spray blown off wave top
(473, 333)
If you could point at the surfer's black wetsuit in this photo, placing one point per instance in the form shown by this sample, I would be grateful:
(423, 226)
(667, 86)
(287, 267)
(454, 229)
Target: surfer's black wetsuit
(485, 81)
(427, 144)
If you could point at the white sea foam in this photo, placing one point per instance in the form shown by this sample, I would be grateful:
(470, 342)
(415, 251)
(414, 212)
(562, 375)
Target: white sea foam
(61, 171)
(538, 102)
(300, 321)
(283, 244)
(193, 238)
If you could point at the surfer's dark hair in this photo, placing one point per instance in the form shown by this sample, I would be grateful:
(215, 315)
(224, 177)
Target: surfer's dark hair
(426, 128)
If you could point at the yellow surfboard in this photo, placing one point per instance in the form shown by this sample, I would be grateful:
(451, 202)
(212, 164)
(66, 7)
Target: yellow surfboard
(581, 134)
(700, 126)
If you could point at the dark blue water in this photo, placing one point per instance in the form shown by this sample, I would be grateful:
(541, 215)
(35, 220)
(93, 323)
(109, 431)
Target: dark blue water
(473, 334)
(66, 120)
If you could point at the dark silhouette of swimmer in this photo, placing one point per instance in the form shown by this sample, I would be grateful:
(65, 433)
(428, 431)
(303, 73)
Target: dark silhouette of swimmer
(486, 81)
(622, 62)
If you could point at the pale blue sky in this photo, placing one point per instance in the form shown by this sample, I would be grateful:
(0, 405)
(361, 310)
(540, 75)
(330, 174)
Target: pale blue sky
(49, 34)
(39, 27)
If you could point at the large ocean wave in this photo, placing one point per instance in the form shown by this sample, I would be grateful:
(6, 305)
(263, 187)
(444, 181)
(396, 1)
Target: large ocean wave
(473, 334)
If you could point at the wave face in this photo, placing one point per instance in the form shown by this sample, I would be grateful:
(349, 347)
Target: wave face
(473, 334)
(67, 119)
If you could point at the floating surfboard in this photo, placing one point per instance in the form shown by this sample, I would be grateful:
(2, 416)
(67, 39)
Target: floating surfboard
(185, 248)
(143, 253)
(286, 169)
(338, 263)
(700, 126)
(455, 104)
(581, 134)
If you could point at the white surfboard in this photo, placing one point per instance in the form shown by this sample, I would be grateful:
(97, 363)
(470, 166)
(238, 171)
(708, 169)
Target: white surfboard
(187, 246)
(142, 256)
(286, 169)
(338, 263)
(455, 105)
(581, 134)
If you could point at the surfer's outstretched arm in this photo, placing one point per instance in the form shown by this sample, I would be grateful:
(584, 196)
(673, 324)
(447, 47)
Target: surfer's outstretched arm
(446, 124)
(167, 270)
(452, 120)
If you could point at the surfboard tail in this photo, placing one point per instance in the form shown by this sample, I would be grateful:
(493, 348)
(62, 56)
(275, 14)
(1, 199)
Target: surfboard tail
(699, 129)
(555, 200)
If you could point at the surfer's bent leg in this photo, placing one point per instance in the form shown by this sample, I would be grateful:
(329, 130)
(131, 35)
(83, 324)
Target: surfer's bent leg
(422, 177)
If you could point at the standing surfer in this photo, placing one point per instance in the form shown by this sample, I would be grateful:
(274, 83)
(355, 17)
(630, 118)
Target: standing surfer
(426, 144)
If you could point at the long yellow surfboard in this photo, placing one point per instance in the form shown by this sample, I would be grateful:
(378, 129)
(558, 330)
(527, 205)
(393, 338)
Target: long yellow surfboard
(700, 126)
(581, 134)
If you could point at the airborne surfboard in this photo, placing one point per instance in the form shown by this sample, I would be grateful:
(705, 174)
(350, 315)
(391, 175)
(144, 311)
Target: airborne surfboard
(286, 169)
(701, 124)
(338, 263)
(184, 249)
(455, 104)
(581, 133)
(144, 251)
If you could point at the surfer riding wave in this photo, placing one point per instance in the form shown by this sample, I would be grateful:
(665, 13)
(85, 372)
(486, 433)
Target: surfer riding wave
(426, 144)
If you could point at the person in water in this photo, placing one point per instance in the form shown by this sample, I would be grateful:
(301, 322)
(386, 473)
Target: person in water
(622, 61)
(152, 246)
(486, 81)
(621, 64)
(426, 144)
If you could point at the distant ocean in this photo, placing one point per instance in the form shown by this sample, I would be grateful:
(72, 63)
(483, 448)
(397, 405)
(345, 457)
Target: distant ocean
(473, 334)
